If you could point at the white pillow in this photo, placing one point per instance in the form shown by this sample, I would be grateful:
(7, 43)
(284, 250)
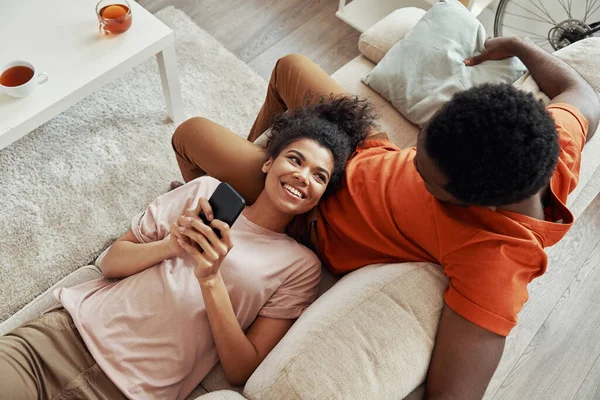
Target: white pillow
(426, 68)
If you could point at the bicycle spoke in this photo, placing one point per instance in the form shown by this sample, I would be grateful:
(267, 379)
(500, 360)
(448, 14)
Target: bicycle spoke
(547, 12)
(595, 9)
(588, 9)
(549, 24)
(529, 18)
(538, 41)
(523, 30)
(565, 8)
(532, 13)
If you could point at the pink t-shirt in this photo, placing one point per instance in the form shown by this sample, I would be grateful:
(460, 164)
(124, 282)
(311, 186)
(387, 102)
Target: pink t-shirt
(150, 333)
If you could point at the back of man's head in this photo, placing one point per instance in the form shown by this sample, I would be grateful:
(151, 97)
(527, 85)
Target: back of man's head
(495, 144)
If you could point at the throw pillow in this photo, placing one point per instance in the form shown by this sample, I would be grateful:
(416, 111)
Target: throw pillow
(426, 68)
(381, 37)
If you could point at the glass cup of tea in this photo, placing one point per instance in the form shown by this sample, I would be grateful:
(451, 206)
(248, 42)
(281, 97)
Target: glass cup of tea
(114, 16)
(20, 78)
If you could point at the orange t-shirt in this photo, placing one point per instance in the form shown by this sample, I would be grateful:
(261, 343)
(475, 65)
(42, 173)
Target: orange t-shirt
(384, 214)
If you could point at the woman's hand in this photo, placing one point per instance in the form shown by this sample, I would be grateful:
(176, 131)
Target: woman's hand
(202, 242)
(172, 240)
(175, 250)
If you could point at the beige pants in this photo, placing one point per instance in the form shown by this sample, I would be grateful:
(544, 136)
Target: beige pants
(47, 359)
(205, 147)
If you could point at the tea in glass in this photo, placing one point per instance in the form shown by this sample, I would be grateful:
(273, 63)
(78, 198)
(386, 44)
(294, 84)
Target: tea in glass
(114, 16)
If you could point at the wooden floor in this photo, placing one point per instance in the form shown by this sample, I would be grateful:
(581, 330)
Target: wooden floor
(554, 353)
(261, 31)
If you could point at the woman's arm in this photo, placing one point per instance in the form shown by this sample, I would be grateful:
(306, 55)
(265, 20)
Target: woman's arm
(240, 353)
(127, 256)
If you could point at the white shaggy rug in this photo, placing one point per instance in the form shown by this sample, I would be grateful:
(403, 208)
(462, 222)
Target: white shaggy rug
(70, 188)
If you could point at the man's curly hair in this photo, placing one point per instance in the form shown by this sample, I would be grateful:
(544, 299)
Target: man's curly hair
(495, 144)
(338, 123)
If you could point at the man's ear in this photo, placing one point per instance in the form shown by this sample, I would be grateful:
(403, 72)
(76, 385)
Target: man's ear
(267, 165)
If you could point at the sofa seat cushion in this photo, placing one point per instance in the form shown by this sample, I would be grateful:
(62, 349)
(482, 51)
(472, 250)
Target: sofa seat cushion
(222, 395)
(369, 337)
(216, 380)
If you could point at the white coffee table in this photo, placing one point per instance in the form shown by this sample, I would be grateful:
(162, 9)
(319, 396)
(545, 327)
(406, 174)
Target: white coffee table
(60, 37)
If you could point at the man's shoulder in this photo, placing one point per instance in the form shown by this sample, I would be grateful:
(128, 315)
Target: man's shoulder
(479, 229)
(381, 159)
(571, 125)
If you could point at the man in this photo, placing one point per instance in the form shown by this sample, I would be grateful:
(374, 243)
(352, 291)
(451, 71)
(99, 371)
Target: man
(482, 194)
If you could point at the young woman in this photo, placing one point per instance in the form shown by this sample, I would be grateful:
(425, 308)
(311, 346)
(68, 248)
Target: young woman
(176, 298)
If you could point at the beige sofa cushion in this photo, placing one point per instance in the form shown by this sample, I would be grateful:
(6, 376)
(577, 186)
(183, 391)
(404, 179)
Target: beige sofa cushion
(222, 395)
(216, 381)
(369, 337)
(375, 42)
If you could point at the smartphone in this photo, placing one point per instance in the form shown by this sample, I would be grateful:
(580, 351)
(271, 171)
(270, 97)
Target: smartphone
(227, 205)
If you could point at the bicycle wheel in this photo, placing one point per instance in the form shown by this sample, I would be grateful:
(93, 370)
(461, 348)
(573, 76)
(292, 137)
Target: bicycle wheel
(551, 24)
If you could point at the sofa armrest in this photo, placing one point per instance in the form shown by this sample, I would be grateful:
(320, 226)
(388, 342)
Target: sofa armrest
(370, 336)
(375, 42)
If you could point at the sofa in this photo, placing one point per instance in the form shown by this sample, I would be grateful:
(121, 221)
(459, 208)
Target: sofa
(370, 334)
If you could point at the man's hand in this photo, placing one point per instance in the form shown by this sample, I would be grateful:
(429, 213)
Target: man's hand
(495, 49)
(559, 81)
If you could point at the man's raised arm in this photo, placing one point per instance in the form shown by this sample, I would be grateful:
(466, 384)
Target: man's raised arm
(558, 80)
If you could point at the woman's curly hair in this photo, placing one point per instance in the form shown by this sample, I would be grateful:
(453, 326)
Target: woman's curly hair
(338, 123)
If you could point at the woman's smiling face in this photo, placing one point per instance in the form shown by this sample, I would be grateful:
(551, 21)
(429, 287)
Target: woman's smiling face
(298, 176)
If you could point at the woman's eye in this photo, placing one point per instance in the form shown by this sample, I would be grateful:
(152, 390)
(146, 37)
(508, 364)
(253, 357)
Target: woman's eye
(321, 178)
(295, 160)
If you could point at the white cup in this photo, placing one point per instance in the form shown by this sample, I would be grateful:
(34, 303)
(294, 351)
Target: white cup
(28, 87)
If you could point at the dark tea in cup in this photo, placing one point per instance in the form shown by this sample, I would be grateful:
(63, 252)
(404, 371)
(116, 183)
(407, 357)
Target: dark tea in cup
(19, 78)
(114, 16)
(16, 76)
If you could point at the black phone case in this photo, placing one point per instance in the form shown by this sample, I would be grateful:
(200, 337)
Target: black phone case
(227, 205)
